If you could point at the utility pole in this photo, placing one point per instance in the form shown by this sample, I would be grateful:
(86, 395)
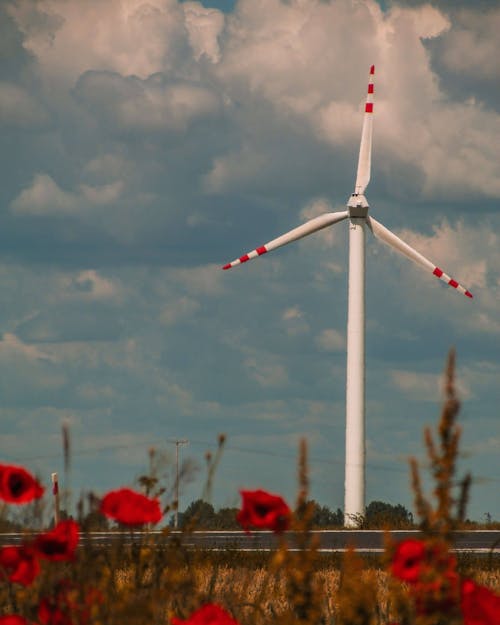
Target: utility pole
(178, 442)
(55, 492)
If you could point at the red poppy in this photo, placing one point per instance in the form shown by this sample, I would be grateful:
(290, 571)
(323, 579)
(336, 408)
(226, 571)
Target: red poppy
(208, 614)
(130, 508)
(49, 613)
(17, 485)
(20, 564)
(438, 593)
(408, 560)
(60, 543)
(480, 605)
(263, 510)
(13, 619)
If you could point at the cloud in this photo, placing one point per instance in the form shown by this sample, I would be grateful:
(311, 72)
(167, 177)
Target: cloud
(19, 108)
(151, 105)
(131, 38)
(427, 387)
(90, 284)
(179, 309)
(418, 386)
(204, 26)
(12, 346)
(471, 46)
(295, 321)
(267, 371)
(205, 280)
(45, 197)
(331, 340)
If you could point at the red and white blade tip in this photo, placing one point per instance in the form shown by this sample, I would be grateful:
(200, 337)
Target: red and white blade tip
(439, 273)
(243, 259)
(369, 98)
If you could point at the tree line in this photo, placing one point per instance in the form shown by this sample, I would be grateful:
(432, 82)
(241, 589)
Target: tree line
(202, 515)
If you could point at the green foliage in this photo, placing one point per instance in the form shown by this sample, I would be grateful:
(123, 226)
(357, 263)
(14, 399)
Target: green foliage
(379, 514)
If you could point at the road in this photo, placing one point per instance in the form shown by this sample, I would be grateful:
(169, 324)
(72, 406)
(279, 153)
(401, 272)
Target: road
(331, 541)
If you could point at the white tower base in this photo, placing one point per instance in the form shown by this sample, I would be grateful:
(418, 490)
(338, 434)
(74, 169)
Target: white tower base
(354, 503)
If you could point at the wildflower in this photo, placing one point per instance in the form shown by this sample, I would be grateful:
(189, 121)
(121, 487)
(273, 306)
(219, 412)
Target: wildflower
(480, 606)
(438, 593)
(49, 613)
(130, 508)
(20, 564)
(17, 485)
(408, 560)
(263, 510)
(208, 614)
(60, 543)
(430, 570)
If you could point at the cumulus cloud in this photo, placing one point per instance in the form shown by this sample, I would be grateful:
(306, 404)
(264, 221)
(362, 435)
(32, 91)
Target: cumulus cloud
(426, 387)
(207, 280)
(132, 38)
(471, 47)
(295, 321)
(267, 371)
(19, 108)
(11, 345)
(151, 105)
(331, 340)
(204, 26)
(89, 284)
(180, 308)
(46, 197)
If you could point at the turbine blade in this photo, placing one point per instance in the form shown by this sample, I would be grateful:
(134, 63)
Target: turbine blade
(385, 235)
(317, 223)
(365, 148)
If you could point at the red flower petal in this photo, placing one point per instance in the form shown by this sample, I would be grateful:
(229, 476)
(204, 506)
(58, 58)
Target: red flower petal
(20, 564)
(50, 614)
(208, 614)
(480, 605)
(13, 619)
(130, 508)
(17, 485)
(408, 560)
(60, 543)
(263, 510)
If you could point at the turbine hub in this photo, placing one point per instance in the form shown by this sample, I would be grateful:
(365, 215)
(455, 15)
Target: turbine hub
(357, 205)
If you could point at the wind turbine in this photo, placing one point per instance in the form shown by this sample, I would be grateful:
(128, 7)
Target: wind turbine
(359, 220)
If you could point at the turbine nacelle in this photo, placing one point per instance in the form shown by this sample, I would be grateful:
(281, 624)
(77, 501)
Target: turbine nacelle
(358, 205)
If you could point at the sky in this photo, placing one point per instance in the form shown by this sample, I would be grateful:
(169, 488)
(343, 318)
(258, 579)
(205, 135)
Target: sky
(146, 143)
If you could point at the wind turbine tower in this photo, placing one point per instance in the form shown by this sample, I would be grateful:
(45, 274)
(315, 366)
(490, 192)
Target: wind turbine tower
(359, 221)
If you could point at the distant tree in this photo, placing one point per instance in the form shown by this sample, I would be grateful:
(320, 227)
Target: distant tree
(200, 513)
(322, 516)
(225, 519)
(94, 521)
(381, 514)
